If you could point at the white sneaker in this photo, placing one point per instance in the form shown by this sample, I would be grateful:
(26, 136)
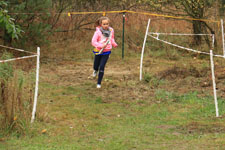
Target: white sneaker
(98, 86)
(94, 73)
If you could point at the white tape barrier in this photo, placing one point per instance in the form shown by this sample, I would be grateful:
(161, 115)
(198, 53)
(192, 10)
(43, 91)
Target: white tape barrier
(156, 33)
(19, 58)
(214, 83)
(17, 49)
(188, 49)
(185, 34)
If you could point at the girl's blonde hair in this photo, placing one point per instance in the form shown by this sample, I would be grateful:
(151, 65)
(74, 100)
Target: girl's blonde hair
(99, 21)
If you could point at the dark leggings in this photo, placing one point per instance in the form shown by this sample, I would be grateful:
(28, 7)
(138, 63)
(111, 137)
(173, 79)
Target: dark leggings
(99, 64)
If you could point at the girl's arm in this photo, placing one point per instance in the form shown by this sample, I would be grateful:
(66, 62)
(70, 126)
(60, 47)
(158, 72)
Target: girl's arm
(113, 40)
(95, 42)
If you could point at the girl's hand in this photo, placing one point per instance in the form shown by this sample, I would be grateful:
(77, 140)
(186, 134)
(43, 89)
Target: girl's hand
(104, 46)
(115, 45)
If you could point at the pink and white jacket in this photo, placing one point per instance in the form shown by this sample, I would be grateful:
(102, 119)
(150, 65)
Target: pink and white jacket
(99, 40)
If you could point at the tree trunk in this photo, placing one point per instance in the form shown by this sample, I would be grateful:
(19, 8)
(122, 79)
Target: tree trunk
(197, 29)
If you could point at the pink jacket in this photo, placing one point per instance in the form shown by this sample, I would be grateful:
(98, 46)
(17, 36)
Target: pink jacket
(98, 40)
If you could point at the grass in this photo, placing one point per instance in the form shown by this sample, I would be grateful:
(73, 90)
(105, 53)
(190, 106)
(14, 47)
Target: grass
(81, 121)
(175, 112)
(92, 124)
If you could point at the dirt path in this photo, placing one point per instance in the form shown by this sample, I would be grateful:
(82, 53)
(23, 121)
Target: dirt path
(122, 78)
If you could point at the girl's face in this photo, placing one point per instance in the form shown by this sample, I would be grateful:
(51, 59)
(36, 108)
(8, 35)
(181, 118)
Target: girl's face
(105, 24)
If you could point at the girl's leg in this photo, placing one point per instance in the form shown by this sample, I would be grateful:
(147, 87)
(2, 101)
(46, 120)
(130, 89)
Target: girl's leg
(103, 62)
(96, 62)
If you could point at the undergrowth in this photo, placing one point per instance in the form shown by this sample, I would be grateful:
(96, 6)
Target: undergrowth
(16, 98)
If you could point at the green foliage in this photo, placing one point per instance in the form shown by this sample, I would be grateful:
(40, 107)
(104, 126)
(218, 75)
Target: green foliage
(7, 23)
(6, 69)
(33, 17)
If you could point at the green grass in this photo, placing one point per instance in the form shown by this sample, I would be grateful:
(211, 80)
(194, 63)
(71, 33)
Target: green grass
(173, 122)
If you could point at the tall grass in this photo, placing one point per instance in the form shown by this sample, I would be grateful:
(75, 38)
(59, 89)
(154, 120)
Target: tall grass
(16, 97)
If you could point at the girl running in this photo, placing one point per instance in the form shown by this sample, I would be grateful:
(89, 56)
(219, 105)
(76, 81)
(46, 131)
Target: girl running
(103, 41)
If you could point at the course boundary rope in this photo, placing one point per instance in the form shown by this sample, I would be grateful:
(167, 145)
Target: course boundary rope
(156, 33)
(18, 58)
(185, 48)
(125, 11)
(174, 17)
(17, 49)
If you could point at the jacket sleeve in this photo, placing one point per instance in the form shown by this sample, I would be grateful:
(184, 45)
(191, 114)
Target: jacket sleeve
(113, 40)
(95, 42)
